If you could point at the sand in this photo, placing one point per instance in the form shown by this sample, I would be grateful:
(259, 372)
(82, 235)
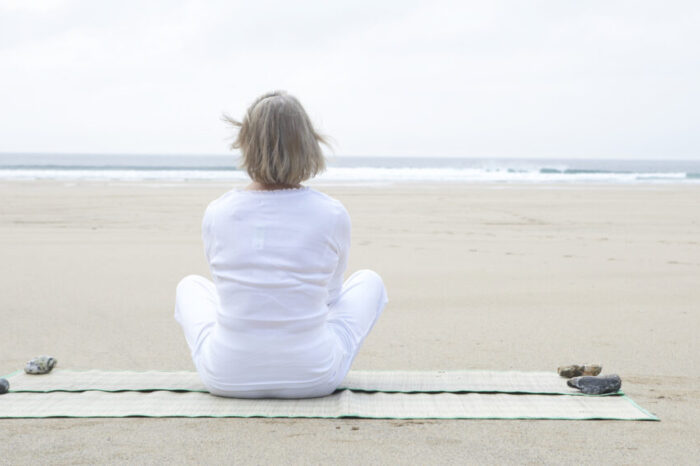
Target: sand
(479, 277)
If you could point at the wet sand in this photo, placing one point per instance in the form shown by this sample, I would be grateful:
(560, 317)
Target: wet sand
(479, 277)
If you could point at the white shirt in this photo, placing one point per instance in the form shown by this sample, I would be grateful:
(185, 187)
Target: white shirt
(277, 259)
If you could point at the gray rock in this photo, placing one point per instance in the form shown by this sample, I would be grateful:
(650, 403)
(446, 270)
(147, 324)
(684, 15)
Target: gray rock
(40, 365)
(592, 385)
(4, 386)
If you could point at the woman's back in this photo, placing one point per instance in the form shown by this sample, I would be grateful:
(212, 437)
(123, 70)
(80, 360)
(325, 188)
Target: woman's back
(277, 258)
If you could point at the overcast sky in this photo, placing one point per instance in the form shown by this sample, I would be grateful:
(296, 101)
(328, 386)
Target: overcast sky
(416, 78)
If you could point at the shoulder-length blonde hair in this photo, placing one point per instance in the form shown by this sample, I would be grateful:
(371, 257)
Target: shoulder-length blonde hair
(278, 143)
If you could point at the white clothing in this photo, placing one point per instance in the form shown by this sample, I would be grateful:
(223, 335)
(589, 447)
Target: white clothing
(277, 321)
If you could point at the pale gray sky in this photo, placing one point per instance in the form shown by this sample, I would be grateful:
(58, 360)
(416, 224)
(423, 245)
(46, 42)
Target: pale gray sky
(616, 79)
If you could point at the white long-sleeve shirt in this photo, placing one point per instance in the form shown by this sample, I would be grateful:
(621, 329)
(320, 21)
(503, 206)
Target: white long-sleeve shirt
(277, 259)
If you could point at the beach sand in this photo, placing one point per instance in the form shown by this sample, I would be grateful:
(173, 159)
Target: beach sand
(479, 277)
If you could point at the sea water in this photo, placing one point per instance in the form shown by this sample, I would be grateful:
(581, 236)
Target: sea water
(350, 169)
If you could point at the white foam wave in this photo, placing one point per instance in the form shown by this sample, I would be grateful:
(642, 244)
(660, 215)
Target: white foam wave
(355, 175)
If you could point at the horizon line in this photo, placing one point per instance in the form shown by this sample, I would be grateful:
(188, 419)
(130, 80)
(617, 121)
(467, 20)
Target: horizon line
(469, 157)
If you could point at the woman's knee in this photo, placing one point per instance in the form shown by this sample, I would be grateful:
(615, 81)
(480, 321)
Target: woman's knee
(371, 280)
(187, 289)
(365, 274)
(188, 282)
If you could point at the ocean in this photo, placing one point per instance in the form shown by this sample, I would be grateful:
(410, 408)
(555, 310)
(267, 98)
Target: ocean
(350, 169)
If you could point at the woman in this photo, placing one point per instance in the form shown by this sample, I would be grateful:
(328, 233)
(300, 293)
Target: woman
(278, 321)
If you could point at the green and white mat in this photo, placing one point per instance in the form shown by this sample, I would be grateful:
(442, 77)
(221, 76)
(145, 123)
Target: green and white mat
(364, 394)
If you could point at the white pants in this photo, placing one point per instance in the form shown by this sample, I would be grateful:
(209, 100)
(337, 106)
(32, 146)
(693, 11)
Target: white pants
(350, 319)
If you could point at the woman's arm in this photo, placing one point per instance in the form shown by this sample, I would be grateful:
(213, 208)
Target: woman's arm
(341, 242)
(207, 234)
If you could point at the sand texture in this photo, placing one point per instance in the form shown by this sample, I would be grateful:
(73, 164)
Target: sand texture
(479, 277)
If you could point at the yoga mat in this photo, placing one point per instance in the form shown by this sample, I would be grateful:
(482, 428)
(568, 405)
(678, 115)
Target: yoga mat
(368, 381)
(367, 394)
(341, 404)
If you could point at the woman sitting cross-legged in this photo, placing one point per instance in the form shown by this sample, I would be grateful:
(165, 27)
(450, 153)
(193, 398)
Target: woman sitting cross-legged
(278, 321)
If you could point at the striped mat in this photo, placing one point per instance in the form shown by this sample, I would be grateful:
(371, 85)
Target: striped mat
(364, 394)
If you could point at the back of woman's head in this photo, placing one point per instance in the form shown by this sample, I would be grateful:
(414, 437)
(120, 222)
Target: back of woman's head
(278, 143)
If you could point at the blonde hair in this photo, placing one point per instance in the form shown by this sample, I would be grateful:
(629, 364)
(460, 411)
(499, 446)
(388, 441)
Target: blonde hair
(278, 143)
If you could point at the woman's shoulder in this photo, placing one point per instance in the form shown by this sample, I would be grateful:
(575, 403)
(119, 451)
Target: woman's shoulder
(223, 199)
(332, 206)
(336, 210)
(326, 198)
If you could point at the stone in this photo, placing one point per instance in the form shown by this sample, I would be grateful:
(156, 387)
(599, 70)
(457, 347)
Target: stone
(596, 385)
(592, 369)
(570, 371)
(4, 386)
(577, 370)
(40, 365)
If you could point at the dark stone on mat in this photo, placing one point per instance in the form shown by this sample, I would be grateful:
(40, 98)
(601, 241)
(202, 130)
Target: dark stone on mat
(576, 370)
(40, 365)
(4, 386)
(591, 385)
